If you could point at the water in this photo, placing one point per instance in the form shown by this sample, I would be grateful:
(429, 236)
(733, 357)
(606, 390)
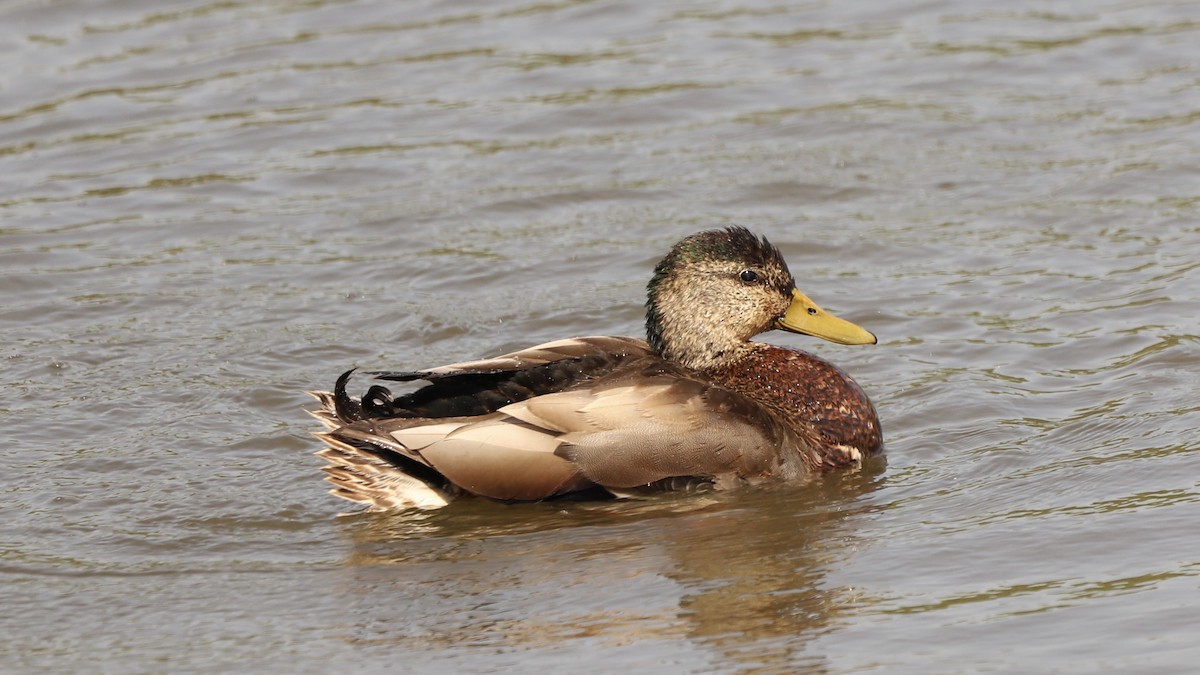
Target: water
(208, 207)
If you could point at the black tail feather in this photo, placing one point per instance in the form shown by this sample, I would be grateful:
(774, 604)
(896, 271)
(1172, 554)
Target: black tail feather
(348, 410)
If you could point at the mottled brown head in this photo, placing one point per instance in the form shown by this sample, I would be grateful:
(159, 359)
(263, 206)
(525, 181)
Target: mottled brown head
(717, 289)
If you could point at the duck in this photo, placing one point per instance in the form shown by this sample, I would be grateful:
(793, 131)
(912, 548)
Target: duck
(695, 405)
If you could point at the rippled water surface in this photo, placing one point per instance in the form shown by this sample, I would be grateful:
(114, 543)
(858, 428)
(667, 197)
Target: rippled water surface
(208, 207)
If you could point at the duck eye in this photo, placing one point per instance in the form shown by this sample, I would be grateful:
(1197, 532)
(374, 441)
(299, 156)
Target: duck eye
(748, 276)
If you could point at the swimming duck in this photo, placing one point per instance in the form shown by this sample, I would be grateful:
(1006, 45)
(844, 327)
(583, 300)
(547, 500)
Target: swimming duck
(694, 404)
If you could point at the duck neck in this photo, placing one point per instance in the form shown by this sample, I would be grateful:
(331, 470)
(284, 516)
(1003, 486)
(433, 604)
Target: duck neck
(676, 333)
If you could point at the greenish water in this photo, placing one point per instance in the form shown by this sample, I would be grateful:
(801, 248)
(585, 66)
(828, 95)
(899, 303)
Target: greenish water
(208, 207)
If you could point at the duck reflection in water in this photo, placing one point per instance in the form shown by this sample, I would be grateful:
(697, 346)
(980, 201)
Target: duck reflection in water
(737, 579)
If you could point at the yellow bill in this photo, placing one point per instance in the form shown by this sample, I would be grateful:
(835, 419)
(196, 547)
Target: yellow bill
(805, 317)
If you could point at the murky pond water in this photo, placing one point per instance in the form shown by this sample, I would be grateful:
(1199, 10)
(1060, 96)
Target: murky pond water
(208, 207)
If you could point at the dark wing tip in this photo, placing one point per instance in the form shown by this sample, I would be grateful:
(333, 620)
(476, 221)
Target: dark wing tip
(398, 375)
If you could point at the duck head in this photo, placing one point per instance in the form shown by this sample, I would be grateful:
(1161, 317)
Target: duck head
(717, 289)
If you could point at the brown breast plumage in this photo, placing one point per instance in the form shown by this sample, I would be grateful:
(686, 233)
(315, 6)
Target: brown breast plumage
(808, 391)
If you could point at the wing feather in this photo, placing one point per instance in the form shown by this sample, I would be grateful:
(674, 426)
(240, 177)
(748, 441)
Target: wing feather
(636, 434)
(504, 458)
(537, 355)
